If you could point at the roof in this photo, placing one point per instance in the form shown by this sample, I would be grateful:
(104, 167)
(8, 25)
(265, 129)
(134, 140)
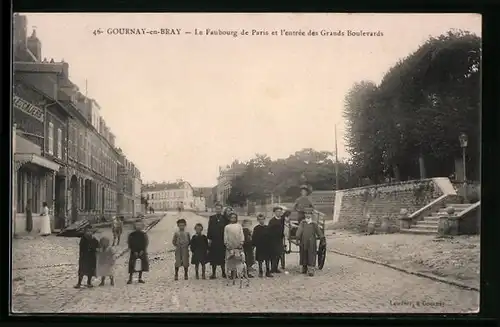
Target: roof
(162, 186)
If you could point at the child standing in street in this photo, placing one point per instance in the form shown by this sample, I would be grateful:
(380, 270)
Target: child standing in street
(261, 243)
(248, 246)
(105, 261)
(233, 240)
(181, 242)
(307, 233)
(199, 248)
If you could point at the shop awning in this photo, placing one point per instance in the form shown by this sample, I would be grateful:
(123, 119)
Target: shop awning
(24, 158)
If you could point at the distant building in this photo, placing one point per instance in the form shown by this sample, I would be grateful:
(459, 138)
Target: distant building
(226, 176)
(169, 196)
(199, 201)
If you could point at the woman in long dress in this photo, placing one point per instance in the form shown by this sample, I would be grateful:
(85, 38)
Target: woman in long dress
(45, 221)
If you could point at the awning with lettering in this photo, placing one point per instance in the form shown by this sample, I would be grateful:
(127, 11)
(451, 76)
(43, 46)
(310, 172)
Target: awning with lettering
(24, 158)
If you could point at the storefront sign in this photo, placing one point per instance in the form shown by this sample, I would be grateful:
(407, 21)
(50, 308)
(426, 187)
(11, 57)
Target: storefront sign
(27, 107)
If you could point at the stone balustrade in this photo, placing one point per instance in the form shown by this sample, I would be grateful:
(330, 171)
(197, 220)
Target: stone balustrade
(381, 204)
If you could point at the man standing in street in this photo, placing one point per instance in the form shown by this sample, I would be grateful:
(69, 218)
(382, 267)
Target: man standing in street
(215, 235)
(276, 233)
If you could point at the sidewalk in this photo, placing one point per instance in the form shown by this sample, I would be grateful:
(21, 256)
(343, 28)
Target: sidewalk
(456, 258)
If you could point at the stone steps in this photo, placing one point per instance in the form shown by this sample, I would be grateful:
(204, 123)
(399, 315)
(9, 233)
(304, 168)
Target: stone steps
(430, 224)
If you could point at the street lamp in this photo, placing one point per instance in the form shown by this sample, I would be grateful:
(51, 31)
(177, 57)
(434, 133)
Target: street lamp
(463, 139)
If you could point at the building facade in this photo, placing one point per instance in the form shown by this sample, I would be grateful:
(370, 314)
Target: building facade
(169, 196)
(65, 154)
(226, 176)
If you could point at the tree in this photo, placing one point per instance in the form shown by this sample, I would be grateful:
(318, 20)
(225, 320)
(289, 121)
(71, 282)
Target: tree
(264, 177)
(417, 112)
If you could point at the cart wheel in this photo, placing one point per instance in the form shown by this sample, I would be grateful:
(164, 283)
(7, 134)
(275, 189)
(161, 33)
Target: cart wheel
(283, 261)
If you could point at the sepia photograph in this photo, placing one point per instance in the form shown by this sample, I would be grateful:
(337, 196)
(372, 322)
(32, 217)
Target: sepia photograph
(245, 163)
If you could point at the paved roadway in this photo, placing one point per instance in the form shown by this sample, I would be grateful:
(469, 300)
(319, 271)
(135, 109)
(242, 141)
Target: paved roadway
(344, 285)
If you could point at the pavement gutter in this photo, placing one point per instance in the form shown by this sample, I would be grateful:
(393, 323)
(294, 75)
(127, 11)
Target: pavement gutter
(408, 271)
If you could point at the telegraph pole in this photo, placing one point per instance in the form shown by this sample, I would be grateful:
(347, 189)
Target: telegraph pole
(336, 161)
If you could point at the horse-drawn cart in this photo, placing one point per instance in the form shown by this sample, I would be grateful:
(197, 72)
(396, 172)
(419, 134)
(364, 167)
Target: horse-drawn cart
(290, 243)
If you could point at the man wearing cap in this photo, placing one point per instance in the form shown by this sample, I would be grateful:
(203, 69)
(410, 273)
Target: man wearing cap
(276, 234)
(303, 202)
(215, 235)
(307, 234)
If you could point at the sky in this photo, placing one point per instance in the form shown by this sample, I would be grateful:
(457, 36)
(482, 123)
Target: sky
(183, 105)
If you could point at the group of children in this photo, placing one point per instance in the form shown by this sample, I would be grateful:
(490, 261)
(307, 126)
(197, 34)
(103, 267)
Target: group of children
(97, 258)
(255, 246)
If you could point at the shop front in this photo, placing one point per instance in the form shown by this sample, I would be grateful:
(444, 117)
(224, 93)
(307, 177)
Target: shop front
(33, 179)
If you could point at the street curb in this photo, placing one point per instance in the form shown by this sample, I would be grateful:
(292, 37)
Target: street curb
(407, 271)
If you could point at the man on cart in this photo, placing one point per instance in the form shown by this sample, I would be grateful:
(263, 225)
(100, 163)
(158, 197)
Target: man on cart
(303, 202)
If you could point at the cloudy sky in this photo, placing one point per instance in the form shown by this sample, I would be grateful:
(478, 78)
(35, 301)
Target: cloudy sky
(182, 105)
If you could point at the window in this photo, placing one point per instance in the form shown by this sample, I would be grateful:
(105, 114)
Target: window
(59, 143)
(89, 152)
(51, 139)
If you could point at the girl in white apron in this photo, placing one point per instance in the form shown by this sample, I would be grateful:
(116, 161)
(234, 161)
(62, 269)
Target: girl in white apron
(45, 221)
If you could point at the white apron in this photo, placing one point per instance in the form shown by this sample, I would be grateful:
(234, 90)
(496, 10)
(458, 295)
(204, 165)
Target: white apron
(45, 222)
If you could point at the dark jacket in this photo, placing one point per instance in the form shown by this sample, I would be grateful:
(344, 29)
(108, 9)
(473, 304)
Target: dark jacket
(199, 248)
(215, 233)
(260, 240)
(87, 260)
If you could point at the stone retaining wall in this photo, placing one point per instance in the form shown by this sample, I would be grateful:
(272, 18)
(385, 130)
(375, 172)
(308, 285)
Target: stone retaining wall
(354, 208)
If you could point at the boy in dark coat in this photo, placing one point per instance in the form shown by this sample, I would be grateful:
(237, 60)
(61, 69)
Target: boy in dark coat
(307, 233)
(261, 242)
(276, 234)
(87, 260)
(199, 248)
(248, 246)
(138, 244)
(215, 236)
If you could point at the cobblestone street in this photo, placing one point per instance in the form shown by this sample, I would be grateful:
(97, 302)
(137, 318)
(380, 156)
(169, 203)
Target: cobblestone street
(344, 285)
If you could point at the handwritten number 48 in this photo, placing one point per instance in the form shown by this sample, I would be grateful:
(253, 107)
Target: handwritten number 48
(97, 32)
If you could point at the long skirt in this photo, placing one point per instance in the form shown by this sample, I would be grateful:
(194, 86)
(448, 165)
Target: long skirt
(45, 225)
(217, 254)
(144, 263)
(308, 253)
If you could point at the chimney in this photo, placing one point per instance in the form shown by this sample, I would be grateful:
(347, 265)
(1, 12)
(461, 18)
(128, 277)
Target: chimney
(65, 68)
(20, 31)
(35, 46)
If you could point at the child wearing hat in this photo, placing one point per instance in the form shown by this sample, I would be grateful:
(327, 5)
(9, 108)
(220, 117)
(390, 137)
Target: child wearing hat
(276, 234)
(307, 233)
(181, 242)
(303, 202)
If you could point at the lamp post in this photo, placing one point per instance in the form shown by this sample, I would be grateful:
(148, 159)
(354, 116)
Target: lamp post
(463, 139)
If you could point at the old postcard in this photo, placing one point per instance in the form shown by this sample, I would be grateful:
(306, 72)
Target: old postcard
(246, 163)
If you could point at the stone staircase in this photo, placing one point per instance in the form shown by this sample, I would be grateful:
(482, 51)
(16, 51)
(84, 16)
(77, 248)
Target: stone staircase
(429, 225)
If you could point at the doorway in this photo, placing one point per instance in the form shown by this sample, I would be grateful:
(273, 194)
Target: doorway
(59, 205)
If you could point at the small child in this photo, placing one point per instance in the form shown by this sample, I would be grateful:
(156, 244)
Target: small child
(260, 241)
(248, 246)
(117, 229)
(307, 233)
(199, 248)
(181, 242)
(105, 261)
